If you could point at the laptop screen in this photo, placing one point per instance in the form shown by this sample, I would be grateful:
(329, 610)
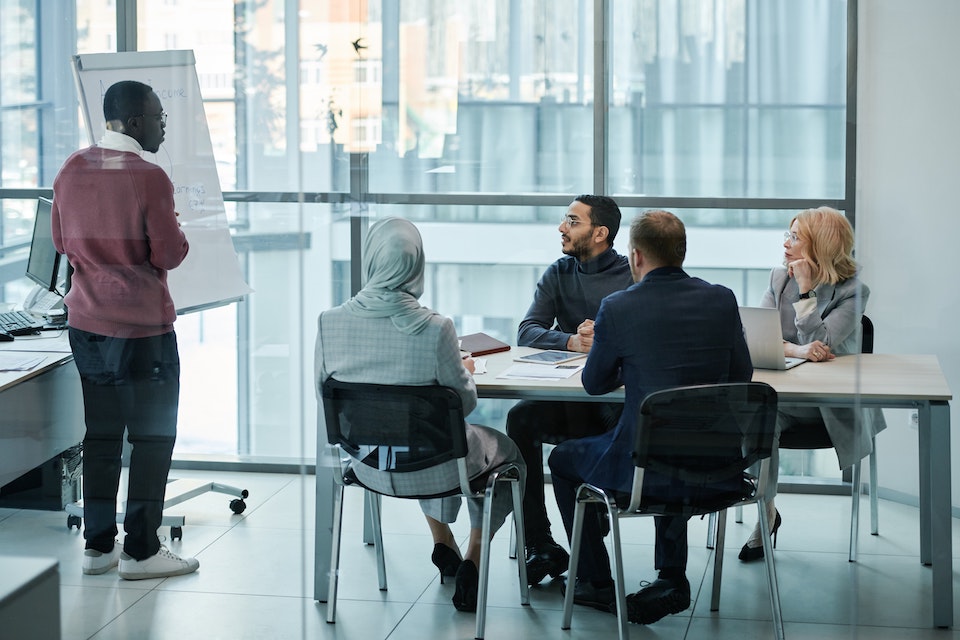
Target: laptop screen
(761, 328)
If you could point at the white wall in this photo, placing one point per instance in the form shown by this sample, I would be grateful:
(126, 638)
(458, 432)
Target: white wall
(908, 176)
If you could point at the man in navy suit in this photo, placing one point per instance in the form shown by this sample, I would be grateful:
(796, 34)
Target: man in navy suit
(666, 330)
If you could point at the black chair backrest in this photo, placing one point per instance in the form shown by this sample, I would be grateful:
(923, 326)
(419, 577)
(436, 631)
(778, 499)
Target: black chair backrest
(866, 335)
(395, 427)
(707, 433)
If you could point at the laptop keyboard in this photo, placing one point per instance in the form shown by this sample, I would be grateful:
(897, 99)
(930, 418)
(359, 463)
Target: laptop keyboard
(19, 323)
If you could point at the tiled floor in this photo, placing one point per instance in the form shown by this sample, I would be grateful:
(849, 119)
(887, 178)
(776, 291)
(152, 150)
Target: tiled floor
(256, 577)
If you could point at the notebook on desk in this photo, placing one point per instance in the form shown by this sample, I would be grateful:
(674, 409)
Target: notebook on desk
(761, 327)
(480, 344)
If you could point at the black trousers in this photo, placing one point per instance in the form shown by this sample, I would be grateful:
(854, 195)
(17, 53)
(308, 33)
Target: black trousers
(133, 385)
(670, 549)
(529, 425)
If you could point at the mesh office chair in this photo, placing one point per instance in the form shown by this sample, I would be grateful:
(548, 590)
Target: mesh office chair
(702, 439)
(385, 432)
(816, 437)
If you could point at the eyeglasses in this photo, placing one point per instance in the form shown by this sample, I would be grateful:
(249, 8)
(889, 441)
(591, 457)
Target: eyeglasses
(791, 237)
(162, 117)
(571, 222)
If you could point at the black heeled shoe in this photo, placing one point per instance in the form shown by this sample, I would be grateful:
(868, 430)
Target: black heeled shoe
(749, 554)
(446, 560)
(468, 581)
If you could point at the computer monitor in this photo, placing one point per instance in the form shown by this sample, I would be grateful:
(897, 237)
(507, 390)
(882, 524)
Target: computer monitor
(43, 265)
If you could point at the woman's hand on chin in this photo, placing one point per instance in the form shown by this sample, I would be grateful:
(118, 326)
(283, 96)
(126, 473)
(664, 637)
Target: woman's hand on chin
(802, 271)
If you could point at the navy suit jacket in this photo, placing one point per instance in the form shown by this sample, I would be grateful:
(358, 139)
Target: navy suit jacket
(667, 330)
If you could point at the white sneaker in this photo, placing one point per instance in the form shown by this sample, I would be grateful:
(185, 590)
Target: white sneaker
(163, 564)
(95, 562)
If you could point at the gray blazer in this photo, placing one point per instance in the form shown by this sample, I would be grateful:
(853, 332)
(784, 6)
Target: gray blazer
(836, 322)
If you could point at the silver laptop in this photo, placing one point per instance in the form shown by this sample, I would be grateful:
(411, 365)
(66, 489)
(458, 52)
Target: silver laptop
(761, 326)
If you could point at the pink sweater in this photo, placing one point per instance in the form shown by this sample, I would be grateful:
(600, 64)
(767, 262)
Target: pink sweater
(113, 217)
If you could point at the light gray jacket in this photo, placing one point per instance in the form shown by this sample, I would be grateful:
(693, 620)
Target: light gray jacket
(371, 350)
(836, 322)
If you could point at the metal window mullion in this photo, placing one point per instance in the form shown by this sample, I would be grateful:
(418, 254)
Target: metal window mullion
(126, 25)
(850, 162)
(601, 30)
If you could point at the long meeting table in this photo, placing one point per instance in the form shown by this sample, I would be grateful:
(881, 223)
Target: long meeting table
(880, 380)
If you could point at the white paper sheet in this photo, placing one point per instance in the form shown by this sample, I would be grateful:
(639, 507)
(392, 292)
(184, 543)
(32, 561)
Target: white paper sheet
(526, 371)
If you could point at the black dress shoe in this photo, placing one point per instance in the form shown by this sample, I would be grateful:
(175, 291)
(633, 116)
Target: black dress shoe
(659, 599)
(586, 594)
(446, 560)
(545, 558)
(467, 581)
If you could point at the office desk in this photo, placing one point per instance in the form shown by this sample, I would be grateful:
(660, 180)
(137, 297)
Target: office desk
(882, 380)
(41, 410)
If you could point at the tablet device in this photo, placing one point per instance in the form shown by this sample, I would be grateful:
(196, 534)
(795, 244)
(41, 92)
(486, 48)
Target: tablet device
(550, 357)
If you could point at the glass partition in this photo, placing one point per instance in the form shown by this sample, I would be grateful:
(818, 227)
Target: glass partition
(477, 120)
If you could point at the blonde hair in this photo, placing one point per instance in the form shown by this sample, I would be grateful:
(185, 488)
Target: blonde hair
(827, 242)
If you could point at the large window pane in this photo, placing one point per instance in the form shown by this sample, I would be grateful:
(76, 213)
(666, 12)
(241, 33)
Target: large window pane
(449, 96)
(715, 99)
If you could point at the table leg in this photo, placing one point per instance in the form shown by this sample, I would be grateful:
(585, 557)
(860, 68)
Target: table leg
(924, 438)
(323, 530)
(940, 521)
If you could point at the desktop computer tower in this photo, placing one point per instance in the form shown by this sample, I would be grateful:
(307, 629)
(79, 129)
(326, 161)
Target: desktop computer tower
(51, 486)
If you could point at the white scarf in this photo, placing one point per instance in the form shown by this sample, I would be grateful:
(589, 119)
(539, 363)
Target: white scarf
(120, 142)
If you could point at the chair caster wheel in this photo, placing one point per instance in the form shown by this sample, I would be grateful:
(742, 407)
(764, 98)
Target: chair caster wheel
(74, 521)
(176, 533)
(237, 505)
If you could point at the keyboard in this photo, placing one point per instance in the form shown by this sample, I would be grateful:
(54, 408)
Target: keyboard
(19, 323)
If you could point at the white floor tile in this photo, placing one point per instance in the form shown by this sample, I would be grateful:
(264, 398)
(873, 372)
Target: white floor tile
(256, 576)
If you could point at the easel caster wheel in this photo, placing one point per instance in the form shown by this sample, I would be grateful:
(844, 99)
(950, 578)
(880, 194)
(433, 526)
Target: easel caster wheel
(74, 521)
(176, 533)
(237, 505)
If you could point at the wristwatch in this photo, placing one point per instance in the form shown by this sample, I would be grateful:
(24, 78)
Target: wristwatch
(808, 294)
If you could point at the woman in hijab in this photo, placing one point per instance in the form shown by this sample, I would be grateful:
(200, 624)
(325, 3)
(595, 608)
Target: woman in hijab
(383, 335)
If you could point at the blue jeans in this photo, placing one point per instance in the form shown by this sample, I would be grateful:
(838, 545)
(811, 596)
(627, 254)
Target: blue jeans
(134, 385)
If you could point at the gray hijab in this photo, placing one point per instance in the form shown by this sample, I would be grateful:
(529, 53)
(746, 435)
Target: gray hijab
(393, 265)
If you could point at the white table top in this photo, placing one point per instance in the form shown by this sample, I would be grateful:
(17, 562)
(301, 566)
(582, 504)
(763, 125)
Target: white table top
(873, 376)
(53, 346)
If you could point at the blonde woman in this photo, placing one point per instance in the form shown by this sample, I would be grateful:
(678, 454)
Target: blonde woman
(821, 301)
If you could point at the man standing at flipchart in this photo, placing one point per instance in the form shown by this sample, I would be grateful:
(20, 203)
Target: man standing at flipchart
(114, 219)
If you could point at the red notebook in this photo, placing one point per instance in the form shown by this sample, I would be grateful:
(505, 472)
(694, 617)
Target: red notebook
(480, 344)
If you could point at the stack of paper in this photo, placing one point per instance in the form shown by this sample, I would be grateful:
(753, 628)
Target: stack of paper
(18, 361)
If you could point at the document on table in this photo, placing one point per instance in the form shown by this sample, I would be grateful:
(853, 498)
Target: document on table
(14, 361)
(528, 371)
